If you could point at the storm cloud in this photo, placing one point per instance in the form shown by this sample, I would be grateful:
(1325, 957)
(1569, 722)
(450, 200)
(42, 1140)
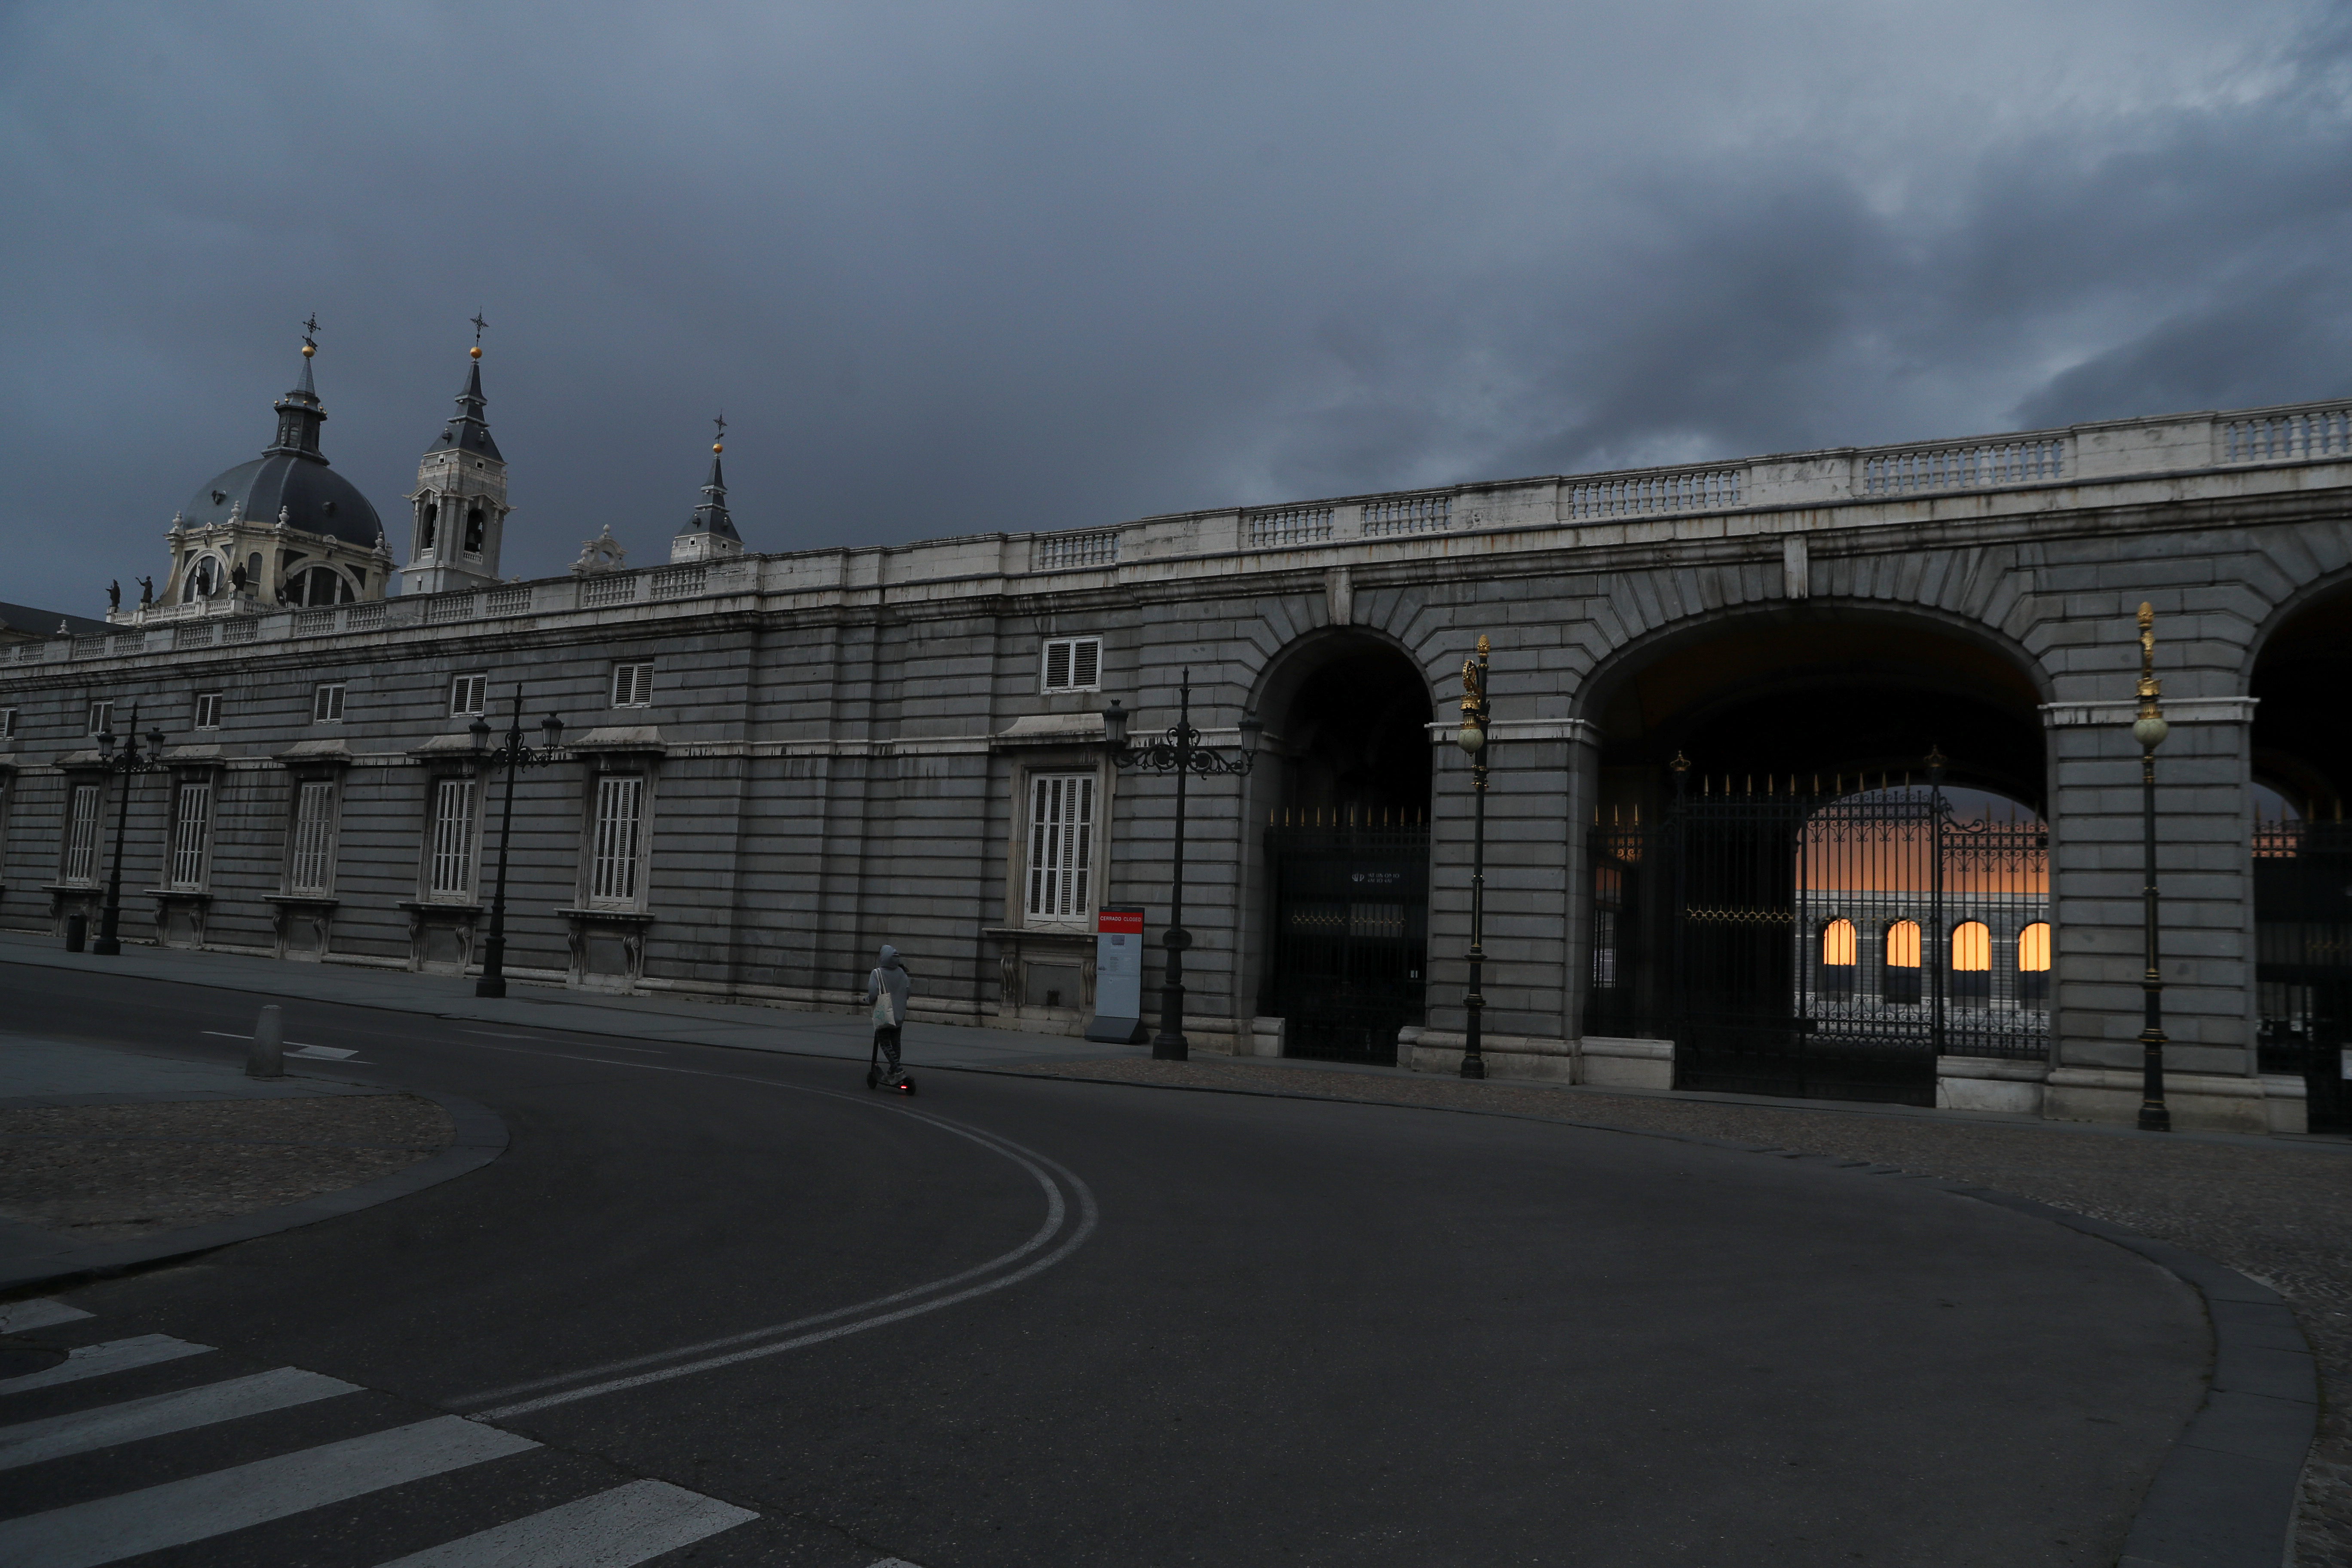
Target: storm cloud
(951, 268)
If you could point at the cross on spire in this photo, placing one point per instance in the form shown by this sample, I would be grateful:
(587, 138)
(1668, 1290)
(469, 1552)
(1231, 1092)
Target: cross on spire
(310, 329)
(720, 423)
(480, 327)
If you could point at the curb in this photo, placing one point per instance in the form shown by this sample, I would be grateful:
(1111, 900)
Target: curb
(2224, 1495)
(481, 1137)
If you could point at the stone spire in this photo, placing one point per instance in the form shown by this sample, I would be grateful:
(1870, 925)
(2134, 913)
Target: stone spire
(461, 498)
(300, 412)
(710, 531)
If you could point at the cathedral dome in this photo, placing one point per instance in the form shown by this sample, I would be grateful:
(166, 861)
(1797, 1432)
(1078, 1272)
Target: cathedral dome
(291, 477)
(314, 498)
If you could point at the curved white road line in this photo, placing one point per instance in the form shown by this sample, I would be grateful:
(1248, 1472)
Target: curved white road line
(1036, 1164)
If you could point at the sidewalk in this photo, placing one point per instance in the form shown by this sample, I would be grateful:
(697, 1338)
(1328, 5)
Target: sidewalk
(110, 1159)
(747, 1026)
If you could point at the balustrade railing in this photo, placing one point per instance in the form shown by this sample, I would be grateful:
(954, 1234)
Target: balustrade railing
(1641, 495)
(313, 622)
(1062, 552)
(508, 601)
(679, 582)
(198, 636)
(1978, 466)
(366, 617)
(608, 588)
(2285, 438)
(1393, 515)
(1288, 525)
(243, 629)
(442, 607)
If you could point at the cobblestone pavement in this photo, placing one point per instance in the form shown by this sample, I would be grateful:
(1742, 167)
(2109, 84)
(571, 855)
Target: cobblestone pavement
(2277, 1212)
(108, 1172)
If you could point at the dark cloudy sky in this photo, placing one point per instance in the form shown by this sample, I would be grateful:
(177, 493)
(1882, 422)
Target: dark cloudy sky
(982, 265)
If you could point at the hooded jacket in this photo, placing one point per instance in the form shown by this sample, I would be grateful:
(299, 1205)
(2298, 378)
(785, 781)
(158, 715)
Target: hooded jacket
(889, 978)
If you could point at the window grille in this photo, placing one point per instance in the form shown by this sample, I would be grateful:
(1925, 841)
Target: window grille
(208, 711)
(1972, 964)
(191, 817)
(633, 684)
(1061, 846)
(81, 836)
(327, 704)
(466, 694)
(2033, 963)
(613, 870)
(1073, 664)
(1900, 981)
(314, 826)
(453, 840)
(101, 718)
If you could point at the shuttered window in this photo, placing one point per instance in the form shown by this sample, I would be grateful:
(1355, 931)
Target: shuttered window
(314, 831)
(612, 867)
(192, 821)
(1061, 844)
(82, 835)
(633, 684)
(1073, 664)
(453, 840)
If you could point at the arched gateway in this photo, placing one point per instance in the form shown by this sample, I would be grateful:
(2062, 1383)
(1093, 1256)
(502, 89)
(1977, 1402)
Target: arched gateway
(775, 761)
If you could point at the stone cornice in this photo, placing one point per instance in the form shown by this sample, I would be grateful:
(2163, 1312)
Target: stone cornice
(2121, 711)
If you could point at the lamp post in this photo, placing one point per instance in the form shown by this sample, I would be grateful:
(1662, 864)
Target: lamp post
(2149, 730)
(1473, 740)
(128, 762)
(514, 754)
(1178, 752)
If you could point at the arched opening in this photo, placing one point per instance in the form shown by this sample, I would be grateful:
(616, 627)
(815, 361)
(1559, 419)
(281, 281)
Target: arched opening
(204, 578)
(319, 585)
(1347, 847)
(476, 523)
(428, 523)
(2302, 765)
(1816, 839)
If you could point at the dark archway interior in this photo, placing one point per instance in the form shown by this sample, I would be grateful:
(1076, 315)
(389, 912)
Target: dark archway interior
(2302, 746)
(1806, 695)
(1356, 731)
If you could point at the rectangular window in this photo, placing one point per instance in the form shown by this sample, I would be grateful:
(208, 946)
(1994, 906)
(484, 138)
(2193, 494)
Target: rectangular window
(208, 710)
(314, 833)
(101, 718)
(633, 684)
(1061, 846)
(8, 723)
(453, 840)
(327, 704)
(192, 820)
(466, 694)
(1073, 664)
(612, 867)
(82, 835)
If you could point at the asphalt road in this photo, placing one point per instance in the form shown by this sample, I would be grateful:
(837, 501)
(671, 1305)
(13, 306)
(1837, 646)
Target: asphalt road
(1024, 1321)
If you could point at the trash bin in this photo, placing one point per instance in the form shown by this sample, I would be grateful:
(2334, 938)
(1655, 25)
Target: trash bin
(76, 929)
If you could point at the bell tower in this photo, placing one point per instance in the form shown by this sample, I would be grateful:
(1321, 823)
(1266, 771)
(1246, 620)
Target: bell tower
(461, 499)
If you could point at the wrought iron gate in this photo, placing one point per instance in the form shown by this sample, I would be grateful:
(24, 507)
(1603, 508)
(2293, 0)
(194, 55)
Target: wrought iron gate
(1351, 933)
(2303, 960)
(1822, 944)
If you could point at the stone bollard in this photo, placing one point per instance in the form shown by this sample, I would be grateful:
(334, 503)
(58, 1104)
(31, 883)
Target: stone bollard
(269, 1058)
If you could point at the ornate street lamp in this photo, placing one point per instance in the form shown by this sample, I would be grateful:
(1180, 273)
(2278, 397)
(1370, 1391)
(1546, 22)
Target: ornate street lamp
(1473, 740)
(127, 761)
(514, 754)
(2149, 730)
(1178, 752)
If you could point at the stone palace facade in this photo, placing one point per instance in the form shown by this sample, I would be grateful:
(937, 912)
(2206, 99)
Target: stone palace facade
(774, 762)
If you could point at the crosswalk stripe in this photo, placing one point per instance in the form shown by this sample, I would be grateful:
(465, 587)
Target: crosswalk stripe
(21, 1316)
(610, 1529)
(105, 1529)
(82, 1431)
(97, 1361)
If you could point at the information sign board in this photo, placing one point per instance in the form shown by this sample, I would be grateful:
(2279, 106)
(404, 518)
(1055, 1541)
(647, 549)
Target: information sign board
(1119, 977)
